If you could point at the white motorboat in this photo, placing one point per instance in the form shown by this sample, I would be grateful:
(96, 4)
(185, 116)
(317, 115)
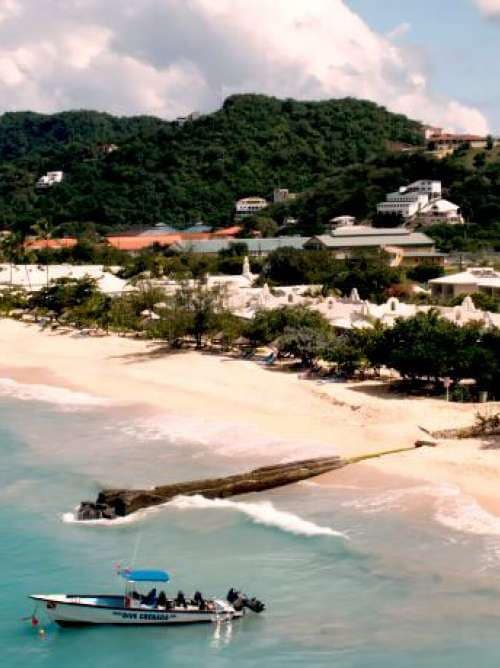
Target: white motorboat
(151, 608)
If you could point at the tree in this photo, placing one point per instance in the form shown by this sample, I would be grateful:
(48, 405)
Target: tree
(388, 220)
(65, 294)
(305, 343)
(422, 273)
(268, 325)
(425, 346)
(203, 304)
(43, 231)
(479, 160)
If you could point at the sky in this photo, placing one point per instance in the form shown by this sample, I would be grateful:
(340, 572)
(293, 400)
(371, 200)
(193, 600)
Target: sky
(434, 60)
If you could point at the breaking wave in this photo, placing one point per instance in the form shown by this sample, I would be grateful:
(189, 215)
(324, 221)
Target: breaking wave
(463, 513)
(262, 512)
(450, 507)
(50, 394)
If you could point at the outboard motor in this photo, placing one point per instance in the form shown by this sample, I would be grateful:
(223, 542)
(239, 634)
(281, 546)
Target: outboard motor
(240, 601)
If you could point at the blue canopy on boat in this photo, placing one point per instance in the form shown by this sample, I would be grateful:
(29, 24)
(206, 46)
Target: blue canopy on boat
(145, 576)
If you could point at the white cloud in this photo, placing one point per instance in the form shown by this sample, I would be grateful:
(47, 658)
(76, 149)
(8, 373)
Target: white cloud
(489, 7)
(168, 57)
(399, 30)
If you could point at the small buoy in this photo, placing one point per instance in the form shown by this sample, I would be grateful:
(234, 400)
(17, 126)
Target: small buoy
(41, 632)
(34, 621)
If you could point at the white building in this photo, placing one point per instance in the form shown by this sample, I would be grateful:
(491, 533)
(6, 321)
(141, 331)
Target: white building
(249, 206)
(422, 200)
(440, 211)
(475, 279)
(49, 179)
(425, 187)
(34, 277)
(407, 204)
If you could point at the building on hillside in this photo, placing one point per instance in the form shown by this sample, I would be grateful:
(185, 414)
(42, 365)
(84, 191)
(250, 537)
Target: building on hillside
(406, 204)
(475, 279)
(248, 206)
(422, 202)
(193, 116)
(429, 131)
(440, 211)
(283, 195)
(448, 140)
(107, 149)
(410, 199)
(50, 179)
(256, 247)
(425, 187)
(407, 247)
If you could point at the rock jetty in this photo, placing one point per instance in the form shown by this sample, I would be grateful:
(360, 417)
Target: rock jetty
(113, 503)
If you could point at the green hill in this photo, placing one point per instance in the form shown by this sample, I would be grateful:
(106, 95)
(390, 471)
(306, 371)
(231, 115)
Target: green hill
(165, 171)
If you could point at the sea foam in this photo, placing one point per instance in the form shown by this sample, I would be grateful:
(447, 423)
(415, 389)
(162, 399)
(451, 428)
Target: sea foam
(50, 394)
(261, 512)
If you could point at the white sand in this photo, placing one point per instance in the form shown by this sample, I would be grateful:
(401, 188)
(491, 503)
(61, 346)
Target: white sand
(313, 417)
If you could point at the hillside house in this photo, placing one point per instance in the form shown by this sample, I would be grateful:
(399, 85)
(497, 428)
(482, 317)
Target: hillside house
(248, 206)
(50, 179)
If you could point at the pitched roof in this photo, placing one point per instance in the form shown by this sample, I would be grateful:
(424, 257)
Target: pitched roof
(138, 243)
(360, 241)
(254, 245)
(479, 276)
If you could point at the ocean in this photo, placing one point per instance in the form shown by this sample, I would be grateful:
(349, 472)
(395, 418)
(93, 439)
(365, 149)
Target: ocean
(353, 575)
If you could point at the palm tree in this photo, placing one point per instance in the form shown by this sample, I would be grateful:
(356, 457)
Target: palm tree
(43, 231)
(11, 248)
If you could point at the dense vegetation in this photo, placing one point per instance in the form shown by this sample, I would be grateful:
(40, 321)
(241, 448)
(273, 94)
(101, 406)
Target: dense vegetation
(180, 173)
(339, 154)
(356, 189)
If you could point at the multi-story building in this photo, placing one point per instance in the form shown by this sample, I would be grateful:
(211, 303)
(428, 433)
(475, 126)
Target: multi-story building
(249, 206)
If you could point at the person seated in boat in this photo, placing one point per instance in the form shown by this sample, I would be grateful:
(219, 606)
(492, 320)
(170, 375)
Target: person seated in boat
(180, 601)
(150, 598)
(162, 600)
(199, 600)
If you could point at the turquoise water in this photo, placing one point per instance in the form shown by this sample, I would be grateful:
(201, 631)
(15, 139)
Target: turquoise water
(399, 589)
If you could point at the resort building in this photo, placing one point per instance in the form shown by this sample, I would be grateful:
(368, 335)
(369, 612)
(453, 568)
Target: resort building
(50, 179)
(256, 247)
(440, 211)
(248, 206)
(422, 202)
(475, 279)
(447, 140)
(406, 247)
(402, 203)
(34, 277)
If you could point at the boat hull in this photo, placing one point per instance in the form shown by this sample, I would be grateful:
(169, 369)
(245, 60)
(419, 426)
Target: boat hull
(81, 611)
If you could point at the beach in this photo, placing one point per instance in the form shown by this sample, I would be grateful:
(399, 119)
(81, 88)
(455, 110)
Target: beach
(261, 413)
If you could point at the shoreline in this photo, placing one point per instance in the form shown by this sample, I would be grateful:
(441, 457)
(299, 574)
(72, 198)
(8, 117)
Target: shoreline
(298, 418)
